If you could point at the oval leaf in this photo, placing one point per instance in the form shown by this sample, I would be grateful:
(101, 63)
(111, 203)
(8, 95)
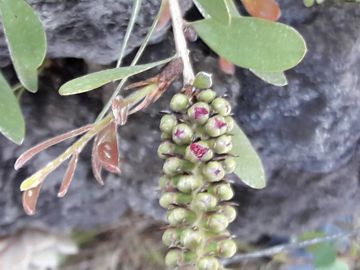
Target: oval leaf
(254, 43)
(97, 79)
(12, 124)
(338, 264)
(266, 9)
(274, 78)
(217, 9)
(26, 39)
(248, 164)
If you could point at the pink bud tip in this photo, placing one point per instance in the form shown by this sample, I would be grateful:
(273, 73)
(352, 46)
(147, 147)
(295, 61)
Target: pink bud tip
(198, 150)
(200, 111)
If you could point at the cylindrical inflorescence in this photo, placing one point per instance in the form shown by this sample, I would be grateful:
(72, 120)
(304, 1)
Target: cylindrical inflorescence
(195, 191)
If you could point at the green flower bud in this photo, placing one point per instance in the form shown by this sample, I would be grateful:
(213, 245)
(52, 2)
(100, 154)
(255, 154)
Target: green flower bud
(173, 165)
(208, 263)
(229, 212)
(179, 102)
(226, 248)
(167, 123)
(213, 171)
(230, 123)
(179, 216)
(204, 202)
(191, 239)
(203, 80)
(182, 134)
(223, 144)
(216, 126)
(221, 106)
(199, 112)
(174, 198)
(229, 164)
(207, 95)
(217, 223)
(223, 191)
(188, 183)
(164, 182)
(166, 149)
(174, 258)
(165, 136)
(170, 237)
(198, 152)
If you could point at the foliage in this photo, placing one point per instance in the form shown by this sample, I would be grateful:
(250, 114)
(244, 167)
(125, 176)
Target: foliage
(26, 39)
(27, 45)
(325, 254)
(249, 167)
(258, 43)
(13, 125)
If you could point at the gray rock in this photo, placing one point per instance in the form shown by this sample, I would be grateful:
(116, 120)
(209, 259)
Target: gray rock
(91, 30)
(307, 135)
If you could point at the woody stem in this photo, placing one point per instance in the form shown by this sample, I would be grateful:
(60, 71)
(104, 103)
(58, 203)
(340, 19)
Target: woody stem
(180, 41)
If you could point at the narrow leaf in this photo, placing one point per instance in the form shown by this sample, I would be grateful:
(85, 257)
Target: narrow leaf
(12, 124)
(26, 39)
(274, 78)
(130, 27)
(29, 154)
(29, 200)
(232, 8)
(254, 43)
(217, 9)
(120, 109)
(95, 80)
(249, 167)
(34, 180)
(69, 175)
(266, 9)
(95, 162)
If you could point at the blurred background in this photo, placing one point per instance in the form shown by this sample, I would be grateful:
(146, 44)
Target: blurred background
(306, 133)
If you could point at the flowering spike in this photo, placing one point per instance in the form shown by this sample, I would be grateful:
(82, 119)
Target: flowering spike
(195, 190)
(29, 154)
(29, 200)
(69, 174)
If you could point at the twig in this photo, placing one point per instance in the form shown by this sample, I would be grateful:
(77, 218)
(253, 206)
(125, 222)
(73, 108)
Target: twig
(287, 247)
(180, 41)
(134, 16)
(133, 63)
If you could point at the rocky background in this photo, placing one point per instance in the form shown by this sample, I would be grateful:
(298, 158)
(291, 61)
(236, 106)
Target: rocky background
(306, 133)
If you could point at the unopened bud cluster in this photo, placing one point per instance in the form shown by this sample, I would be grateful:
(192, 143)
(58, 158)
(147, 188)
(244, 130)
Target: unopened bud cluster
(196, 148)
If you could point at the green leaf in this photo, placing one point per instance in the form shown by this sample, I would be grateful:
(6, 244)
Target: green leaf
(324, 253)
(254, 43)
(338, 264)
(232, 8)
(97, 79)
(12, 124)
(26, 40)
(274, 78)
(216, 9)
(248, 164)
